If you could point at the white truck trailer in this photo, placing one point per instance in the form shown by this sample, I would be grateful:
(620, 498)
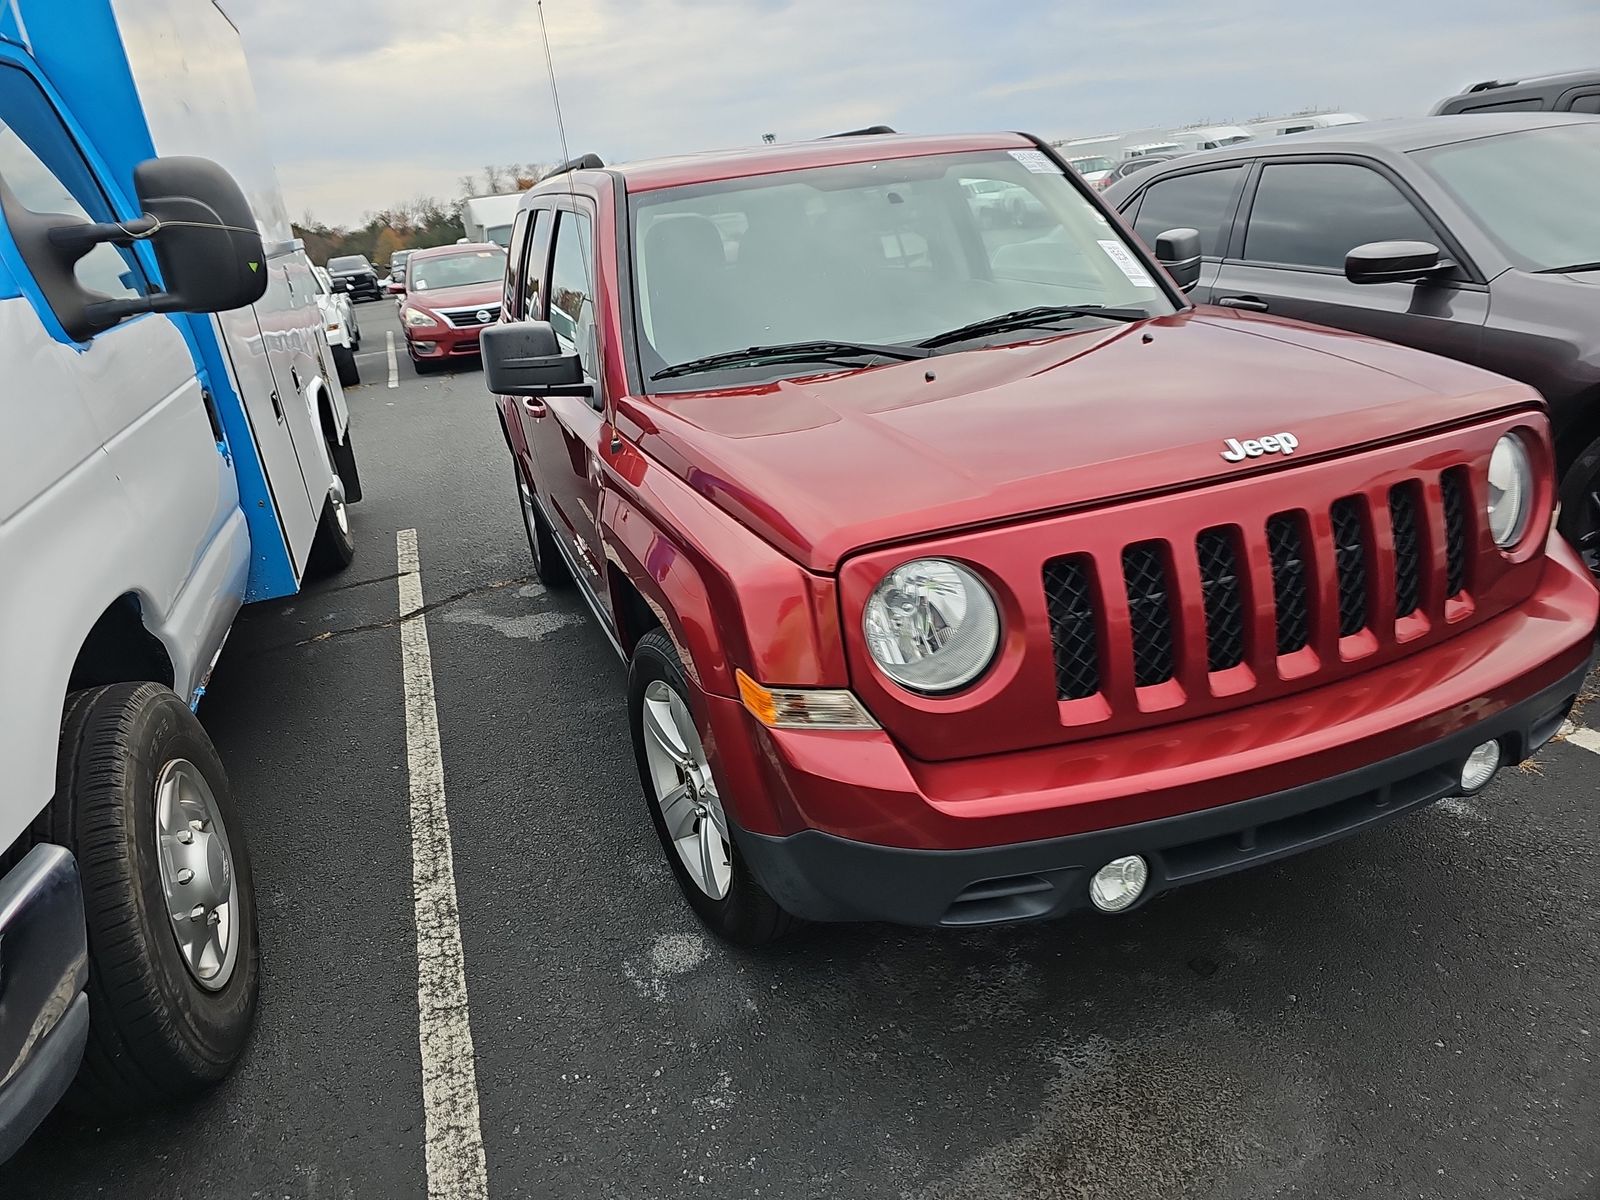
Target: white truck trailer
(489, 218)
(173, 444)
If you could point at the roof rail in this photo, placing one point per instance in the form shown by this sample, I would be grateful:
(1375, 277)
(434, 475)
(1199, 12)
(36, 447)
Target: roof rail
(1488, 85)
(584, 162)
(869, 131)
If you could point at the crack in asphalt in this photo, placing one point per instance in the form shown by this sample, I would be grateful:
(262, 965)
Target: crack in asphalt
(345, 587)
(395, 621)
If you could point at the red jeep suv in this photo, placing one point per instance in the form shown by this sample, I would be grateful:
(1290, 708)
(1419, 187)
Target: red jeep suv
(967, 573)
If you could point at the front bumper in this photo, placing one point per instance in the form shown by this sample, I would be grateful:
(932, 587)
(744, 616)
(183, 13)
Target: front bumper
(846, 825)
(44, 968)
(443, 341)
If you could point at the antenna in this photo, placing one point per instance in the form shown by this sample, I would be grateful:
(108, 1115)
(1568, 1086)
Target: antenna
(566, 158)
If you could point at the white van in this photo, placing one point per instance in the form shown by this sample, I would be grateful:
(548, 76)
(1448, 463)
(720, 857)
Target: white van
(173, 443)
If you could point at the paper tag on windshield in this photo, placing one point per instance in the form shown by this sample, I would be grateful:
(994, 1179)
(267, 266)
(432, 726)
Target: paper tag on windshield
(1036, 162)
(1131, 266)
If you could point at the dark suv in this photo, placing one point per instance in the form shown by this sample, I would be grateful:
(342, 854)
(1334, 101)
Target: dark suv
(354, 274)
(1474, 238)
(1575, 91)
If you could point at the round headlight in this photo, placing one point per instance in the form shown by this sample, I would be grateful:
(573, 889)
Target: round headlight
(932, 625)
(1510, 490)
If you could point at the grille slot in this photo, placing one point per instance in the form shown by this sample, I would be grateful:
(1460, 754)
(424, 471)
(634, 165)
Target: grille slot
(1070, 599)
(1350, 564)
(467, 318)
(1144, 571)
(1289, 593)
(1454, 487)
(1217, 551)
(1407, 551)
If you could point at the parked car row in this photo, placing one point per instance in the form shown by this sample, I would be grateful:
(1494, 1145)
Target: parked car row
(967, 571)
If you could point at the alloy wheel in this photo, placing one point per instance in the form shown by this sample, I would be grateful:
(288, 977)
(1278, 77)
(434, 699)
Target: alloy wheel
(198, 877)
(685, 792)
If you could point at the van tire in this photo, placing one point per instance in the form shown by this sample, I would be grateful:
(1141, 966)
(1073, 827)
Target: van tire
(344, 361)
(1580, 506)
(747, 915)
(335, 545)
(156, 1035)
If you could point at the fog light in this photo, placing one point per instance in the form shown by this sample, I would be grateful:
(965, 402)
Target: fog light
(1119, 883)
(1480, 766)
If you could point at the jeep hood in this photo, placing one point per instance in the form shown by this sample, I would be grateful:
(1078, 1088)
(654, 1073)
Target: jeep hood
(828, 464)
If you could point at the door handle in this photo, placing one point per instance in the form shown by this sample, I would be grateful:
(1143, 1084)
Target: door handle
(1249, 303)
(533, 407)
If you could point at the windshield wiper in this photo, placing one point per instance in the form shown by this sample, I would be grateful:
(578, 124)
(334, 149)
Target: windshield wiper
(1589, 266)
(790, 352)
(1040, 317)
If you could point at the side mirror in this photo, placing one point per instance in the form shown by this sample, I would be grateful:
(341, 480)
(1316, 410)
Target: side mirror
(1395, 262)
(341, 284)
(206, 239)
(1178, 250)
(524, 358)
(196, 218)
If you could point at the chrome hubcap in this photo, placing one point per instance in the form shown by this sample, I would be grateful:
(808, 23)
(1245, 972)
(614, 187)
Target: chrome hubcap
(197, 875)
(680, 778)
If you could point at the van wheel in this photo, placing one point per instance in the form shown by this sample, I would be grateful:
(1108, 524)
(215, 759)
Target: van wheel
(344, 360)
(168, 894)
(1580, 507)
(548, 565)
(684, 804)
(335, 545)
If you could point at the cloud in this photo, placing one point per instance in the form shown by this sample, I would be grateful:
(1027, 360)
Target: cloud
(370, 102)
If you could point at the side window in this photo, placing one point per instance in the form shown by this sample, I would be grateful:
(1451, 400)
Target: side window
(571, 288)
(46, 173)
(532, 266)
(1202, 200)
(1533, 105)
(1313, 214)
(515, 253)
(1586, 102)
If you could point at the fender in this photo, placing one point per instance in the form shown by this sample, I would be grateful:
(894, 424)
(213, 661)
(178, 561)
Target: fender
(727, 598)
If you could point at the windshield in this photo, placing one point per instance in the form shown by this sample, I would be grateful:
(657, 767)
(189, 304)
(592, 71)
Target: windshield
(456, 270)
(1087, 166)
(1535, 193)
(888, 253)
(349, 262)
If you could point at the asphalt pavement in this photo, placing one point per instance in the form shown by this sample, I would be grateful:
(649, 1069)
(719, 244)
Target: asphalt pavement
(1411, 1013)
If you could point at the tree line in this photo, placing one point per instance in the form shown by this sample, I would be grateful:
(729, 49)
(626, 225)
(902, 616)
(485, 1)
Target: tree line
(420, 221)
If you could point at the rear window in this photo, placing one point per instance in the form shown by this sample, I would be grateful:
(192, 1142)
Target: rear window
(1202, 200)
(348, 262)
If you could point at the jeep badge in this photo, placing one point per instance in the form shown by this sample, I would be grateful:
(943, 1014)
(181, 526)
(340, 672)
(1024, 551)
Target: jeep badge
(1272, 443)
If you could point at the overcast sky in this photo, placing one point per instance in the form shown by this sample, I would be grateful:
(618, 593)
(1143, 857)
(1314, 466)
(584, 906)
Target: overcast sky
(370, 102)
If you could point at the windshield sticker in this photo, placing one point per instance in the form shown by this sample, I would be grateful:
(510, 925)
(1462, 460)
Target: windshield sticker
(1036, 161)
(1131, 267)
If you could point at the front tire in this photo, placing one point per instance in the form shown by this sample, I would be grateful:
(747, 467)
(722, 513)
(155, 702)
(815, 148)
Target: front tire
(684, 804)
(169, 897)
(1580, 507)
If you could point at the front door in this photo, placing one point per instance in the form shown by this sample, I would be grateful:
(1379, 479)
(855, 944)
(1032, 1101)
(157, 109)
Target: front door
(1304, 219)
(564, 431)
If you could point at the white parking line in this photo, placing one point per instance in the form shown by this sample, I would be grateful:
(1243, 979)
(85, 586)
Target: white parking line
(394, 365)
(453, 1132)
(1586, 739)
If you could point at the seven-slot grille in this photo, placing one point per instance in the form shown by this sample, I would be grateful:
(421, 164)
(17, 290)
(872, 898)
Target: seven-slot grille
(1313, 599)
(466, 318)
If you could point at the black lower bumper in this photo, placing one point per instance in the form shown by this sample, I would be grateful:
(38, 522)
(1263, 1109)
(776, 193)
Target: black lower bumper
(825, 878)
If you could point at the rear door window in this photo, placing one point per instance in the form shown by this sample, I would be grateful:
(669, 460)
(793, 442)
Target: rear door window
(1313, 214)
(1202, 200)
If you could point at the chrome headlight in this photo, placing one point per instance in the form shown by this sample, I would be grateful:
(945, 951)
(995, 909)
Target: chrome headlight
(1510, 490)
(932, 625)
(416, 318)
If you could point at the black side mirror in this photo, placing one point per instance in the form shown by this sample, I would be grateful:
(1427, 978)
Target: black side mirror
(206, 241)
(1395, 262)
(1178, 250)
(341, 284)
(524, 358)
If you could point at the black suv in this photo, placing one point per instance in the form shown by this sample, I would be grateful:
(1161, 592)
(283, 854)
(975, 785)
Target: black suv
(1575, 91)
(354, 274)
(1474, 237)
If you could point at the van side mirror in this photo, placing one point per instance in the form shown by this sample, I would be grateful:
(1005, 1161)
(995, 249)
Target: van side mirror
(1178, 250)
(523, 358)
(1395, 262)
